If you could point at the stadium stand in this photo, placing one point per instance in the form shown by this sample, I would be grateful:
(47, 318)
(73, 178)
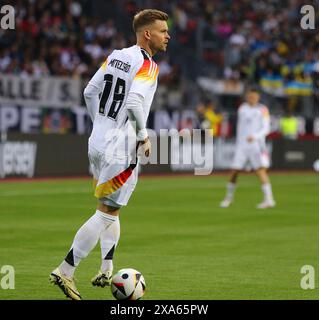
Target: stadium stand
(248, 42)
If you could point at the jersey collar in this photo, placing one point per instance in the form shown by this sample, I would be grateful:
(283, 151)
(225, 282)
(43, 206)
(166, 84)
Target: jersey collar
(147, 54)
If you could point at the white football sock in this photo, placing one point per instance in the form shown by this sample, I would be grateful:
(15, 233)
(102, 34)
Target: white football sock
(109, 239)
(230, 190)
(266, 188)
(85, 240)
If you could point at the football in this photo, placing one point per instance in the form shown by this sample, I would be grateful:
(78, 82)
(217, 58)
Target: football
(128, 284)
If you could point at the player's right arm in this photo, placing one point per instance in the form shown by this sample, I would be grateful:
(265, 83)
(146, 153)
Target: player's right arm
(93, 90)
(265, 124)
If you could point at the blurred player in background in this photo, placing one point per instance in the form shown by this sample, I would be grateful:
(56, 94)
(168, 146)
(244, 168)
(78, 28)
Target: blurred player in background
(253, 125)
(126, 84)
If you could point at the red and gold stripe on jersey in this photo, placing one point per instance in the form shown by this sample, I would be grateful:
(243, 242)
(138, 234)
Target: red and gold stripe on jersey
(104, 65)
(265, 112)
(148, 71)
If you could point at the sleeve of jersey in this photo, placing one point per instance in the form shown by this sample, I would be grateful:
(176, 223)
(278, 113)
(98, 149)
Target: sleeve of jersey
(265, 129)
(93, 89)
(145, 78)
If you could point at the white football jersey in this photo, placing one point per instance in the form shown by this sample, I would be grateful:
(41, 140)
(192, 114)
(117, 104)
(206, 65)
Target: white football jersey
(252, 121)
(128, 70)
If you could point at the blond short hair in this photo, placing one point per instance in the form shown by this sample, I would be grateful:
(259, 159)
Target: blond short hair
(147, 17)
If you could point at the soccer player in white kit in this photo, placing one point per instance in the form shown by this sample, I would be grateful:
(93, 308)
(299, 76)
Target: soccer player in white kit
(253, 125)
(121, 90)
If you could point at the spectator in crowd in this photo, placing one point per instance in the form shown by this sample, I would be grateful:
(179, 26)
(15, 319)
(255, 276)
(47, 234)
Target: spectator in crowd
(252, 41)
(209, 117)
(289, 126)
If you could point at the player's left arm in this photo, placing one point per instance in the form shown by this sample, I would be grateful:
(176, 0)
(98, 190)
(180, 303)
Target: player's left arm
(135, 113)
(265, 127)
(93, 90)
(142, 83)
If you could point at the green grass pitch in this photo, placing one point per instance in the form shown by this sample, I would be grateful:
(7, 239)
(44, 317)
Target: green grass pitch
(174, 232)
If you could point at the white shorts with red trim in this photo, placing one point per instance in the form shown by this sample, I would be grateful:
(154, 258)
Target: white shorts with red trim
(115, 177)
(255, 155)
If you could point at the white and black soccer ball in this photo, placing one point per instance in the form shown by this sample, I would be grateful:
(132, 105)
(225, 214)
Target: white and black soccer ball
(128, 284)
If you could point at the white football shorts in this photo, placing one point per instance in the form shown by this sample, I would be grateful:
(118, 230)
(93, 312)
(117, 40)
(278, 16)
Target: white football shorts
(255, 155)
(115, 178)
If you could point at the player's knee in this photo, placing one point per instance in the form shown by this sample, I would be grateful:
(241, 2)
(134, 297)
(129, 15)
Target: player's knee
(262, 174)
(261, 171)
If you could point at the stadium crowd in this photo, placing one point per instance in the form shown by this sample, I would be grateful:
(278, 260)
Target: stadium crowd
(252, 41)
